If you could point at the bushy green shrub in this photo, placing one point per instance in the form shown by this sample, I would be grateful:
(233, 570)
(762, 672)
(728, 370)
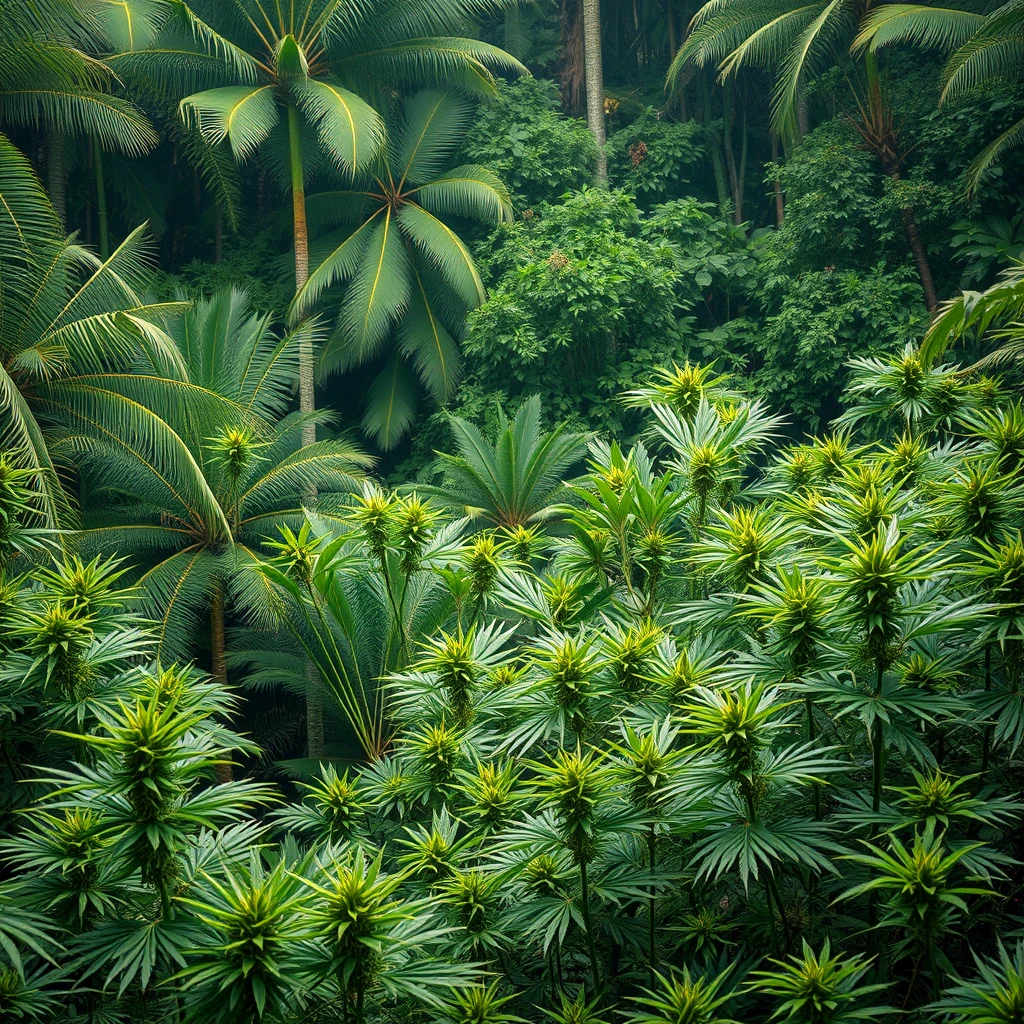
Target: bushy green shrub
(536, 151)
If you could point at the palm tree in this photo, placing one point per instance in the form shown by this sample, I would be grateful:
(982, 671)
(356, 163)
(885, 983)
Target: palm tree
(408, 272)
(70, 324)
(513, 482)
(194, 506)
(594, 75)
(986, 48)
(798, 40)
(50, 77)
(310, 61)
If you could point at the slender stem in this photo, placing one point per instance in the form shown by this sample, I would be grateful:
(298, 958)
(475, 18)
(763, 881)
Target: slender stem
(811, 736)
(306, 395)
(773, 889)
(588, 926)
(594, 76)
(101, 199)
(652, 949)
(877, 749)
(986, 743)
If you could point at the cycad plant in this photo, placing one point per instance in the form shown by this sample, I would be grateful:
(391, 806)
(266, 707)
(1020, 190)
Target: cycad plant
(214, 473)
(512, 482)
(819, 988)
(410, 277)
(995, 995)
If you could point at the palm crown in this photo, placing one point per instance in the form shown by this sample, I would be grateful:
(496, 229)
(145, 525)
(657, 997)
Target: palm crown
(408, 272)
(228, 465)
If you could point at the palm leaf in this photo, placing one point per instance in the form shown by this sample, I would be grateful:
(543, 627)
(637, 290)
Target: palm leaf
(350, 130)
(241, 114)
(390, 403)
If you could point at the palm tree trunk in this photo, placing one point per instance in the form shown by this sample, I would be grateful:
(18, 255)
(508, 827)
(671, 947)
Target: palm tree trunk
(721, 186)
(218, 658)
(314, 713)
(306, 397)
(735, 182)
(879, 130)
(594, 77)
(57, 175)
(101, 200)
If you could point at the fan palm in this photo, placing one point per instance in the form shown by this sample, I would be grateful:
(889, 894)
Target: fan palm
(70, 324)
(195, 505)
(798, 41)
(985, 48)
(408, 272)
(310, 61)
(514, 481)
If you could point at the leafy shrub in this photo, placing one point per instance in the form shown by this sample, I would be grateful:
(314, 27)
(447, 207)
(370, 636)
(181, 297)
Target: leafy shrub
(656, 159)
(536, 151)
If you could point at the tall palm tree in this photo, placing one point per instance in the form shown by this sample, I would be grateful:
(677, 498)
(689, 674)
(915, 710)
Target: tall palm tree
(409, 274)
(309, 60)
(70, 325)
(51, 77)
(194, 508)
(593, 70)
(985, 48)
(797, 41)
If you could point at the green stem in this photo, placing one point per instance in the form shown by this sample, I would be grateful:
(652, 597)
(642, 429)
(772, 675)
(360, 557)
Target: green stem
(773, 890)
(588, 926)
(876, 749)
(102, 217)
(652, 949)
(986, 743)
(812, 733)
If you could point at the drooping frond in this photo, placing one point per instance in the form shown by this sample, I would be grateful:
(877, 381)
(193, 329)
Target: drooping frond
(941, 28)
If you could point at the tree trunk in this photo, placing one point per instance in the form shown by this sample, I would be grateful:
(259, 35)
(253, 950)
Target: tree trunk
(57, 175)
(780, 207)
(306, 397)
(721, 186)
(924, 270)
(735, 181)
(314, 713)
(218, 236)
(218, 658)
(101, 200)
(594, 77)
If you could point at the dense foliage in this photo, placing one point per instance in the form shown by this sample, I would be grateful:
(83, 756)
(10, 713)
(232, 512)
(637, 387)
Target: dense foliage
(463, 561)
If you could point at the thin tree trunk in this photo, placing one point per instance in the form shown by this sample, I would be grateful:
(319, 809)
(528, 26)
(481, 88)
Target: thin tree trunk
(924, 270)
(101, 199)
(594, 77)
(780, 206)
(721, 185)
(218, 658)
(306, 396)
(735, 187)
(803, 117)
(57, 175)
(314, 713)
(886, 150)
(218, 236)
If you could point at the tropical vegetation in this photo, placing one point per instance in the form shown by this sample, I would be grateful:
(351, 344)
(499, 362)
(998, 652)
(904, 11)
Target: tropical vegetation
(511, 512)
